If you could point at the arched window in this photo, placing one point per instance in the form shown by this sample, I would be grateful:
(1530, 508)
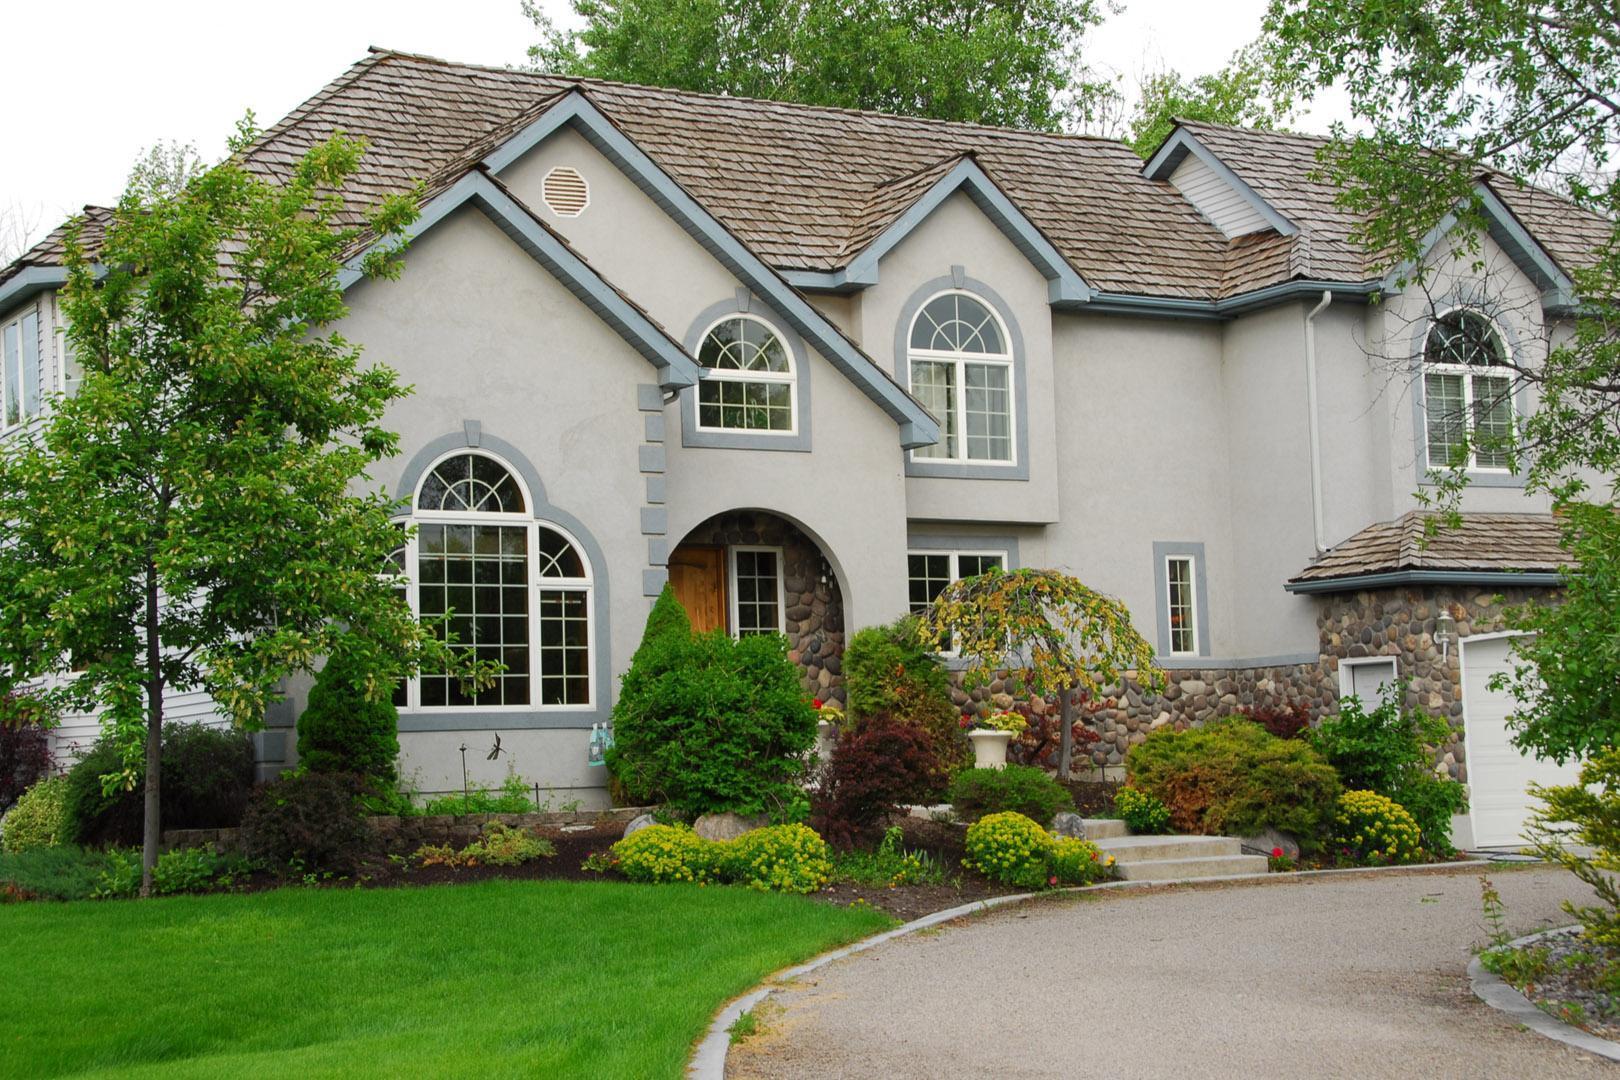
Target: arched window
(518, 591)
(748, 379)
(962, 371)
(1467, 392)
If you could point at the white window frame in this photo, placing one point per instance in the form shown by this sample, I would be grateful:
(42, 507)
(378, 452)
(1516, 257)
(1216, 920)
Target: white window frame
(1192, 604)
(536, 585)
(60, 340)
(1467, 372)
(955, 555)
(959, 362)
(1347, 674)
(17, 319)
(789, 378)
(732, 600)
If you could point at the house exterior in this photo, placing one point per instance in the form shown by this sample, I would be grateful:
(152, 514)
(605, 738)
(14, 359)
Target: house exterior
(807, 365)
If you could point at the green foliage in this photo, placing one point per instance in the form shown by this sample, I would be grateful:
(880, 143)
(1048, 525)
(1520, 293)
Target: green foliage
(1235, 95)
(182, 870)
(206, 781)
(777, 858)
(708, 723)
(889, 865)
(666, 620)
(64, 872)
(1232, 777)
(514, 798)
(37, 821)
(500, 845)
(1574, 818)
(1391, 750)
(994, 62)
(1078, 862)
(1141, 812)
(1010, 848)
(1374, 830)
(350, 724)
(664, 853)
(307, 821)
(1023, 789)
(887, 671)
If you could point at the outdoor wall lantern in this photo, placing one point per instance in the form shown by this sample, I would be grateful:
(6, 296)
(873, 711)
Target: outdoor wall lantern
(1445, 632)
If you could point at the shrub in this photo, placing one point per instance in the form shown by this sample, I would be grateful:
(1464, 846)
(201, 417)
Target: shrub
(182, 870)
(207, 780)
(664, 853)
(1578, 827)
(1022, 789)
(887, 672)
(1010, 848)
(1142, 813)
(309, 821)
(1232, 777)
(514, 798)
(342, 729)
(1041, 742)
(64, 872)
(25, 759)
(1078, 862)
(875, 769)
(1290, 720)
(709, 723)
(1374, 829)
(777, 858)
(1391, 751)
(500, 845)
(37, 820)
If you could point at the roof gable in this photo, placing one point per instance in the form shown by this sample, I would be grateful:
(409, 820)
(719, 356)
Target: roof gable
(1182, 144)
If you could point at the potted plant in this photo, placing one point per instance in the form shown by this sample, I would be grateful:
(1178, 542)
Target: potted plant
(990, 736)
(829, 721)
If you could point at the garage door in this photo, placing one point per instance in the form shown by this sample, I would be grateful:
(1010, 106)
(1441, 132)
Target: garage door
(1498, 774)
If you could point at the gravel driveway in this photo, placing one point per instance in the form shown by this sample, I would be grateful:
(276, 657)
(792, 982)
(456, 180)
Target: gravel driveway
(1337, 976)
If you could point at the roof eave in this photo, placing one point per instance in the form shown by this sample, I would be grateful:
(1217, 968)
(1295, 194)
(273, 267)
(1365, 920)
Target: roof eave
(29, 282)
(1393, 578)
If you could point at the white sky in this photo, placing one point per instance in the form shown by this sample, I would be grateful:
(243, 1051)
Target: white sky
(100, 80)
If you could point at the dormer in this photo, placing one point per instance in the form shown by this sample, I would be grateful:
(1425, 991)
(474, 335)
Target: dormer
(1217, 193)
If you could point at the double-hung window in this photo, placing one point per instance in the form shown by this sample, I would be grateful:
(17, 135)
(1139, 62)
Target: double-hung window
(748, 380)
(928, 572)
(19, 354)
(1181, 603)
(961, 369)
(1468, 394)
(516, 591)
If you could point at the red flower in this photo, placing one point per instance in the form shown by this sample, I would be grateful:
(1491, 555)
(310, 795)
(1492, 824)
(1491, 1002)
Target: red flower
(815, 703)
(1276, 853)
(1052, 880)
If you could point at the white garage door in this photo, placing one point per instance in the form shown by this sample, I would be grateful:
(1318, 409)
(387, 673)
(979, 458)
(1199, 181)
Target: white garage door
(1498, 774)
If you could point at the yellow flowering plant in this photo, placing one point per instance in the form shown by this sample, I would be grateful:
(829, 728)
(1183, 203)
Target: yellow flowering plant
(1010, 848)
(664, 853)
(778, 858)
(1372, 829)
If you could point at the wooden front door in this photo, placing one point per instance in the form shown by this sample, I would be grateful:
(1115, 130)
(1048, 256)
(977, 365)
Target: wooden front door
(697, 573)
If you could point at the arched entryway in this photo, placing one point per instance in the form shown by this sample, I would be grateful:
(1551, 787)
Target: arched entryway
(752, 571)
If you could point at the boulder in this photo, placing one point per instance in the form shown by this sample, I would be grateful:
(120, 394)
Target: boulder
(1069, 823)
(1267, 840)
(728, 826)
(638, 823)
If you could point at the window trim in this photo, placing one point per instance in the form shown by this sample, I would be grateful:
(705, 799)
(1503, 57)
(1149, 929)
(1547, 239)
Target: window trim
(959, 362)
(1467, 373)
(1163, 550)
(732, 602)
(745, 304)
(1192, 603)
(789, 378)
(1347, 672)
(17, 318)
(955, 555)
(529, 520)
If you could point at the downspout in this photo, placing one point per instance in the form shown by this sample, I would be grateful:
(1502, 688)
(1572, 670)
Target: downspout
(1315, 424)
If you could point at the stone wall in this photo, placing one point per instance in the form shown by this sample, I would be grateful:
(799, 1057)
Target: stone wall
(1397, 622)
(403, 835)
(815, 607)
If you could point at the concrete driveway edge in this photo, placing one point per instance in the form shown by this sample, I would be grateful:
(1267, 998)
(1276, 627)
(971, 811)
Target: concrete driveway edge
(1494, 991)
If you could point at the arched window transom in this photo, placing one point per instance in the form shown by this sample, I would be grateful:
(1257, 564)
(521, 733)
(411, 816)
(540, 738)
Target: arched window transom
(748, 379)
(517, 591)
(1468, 393)
(962, 371)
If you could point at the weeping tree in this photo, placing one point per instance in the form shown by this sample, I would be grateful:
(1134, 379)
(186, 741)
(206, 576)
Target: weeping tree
(1050, 631)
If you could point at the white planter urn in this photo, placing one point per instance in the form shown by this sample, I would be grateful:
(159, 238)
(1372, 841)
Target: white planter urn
(990, 748)
(826, 738)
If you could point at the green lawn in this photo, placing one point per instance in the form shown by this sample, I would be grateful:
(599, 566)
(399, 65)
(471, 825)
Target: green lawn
(504, 978)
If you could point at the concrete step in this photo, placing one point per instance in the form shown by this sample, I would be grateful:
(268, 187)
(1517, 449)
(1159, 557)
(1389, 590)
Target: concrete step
(1103, 828)
(1135, 849)
(1208, 866)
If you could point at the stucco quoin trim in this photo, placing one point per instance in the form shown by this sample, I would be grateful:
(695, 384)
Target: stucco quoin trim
(473, 437)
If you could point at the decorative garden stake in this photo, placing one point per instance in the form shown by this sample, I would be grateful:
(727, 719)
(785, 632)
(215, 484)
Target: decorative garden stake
(1049, 631)
(466, 790)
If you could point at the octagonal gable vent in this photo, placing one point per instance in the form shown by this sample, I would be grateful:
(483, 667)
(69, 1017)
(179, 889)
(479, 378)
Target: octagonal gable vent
(566, 192)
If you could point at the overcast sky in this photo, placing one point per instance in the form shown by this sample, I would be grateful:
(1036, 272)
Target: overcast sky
(107, 78)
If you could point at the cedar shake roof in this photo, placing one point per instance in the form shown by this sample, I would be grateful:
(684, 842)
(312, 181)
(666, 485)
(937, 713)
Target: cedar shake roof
(1484, 543)
(807, 188)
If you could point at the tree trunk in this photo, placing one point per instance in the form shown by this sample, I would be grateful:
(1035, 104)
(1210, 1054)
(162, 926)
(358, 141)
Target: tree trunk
(1066, 737)
(152, 829)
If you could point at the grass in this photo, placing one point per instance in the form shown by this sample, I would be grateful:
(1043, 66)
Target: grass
(498, 978)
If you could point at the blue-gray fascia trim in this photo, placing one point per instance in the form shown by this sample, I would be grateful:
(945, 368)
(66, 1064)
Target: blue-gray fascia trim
(1181, 143)
(29, 281)
(1169, 307)
(917, 427)
(1063, 284)
(675, 368)
(1505, 578)
(951, 542)
(473, 720)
